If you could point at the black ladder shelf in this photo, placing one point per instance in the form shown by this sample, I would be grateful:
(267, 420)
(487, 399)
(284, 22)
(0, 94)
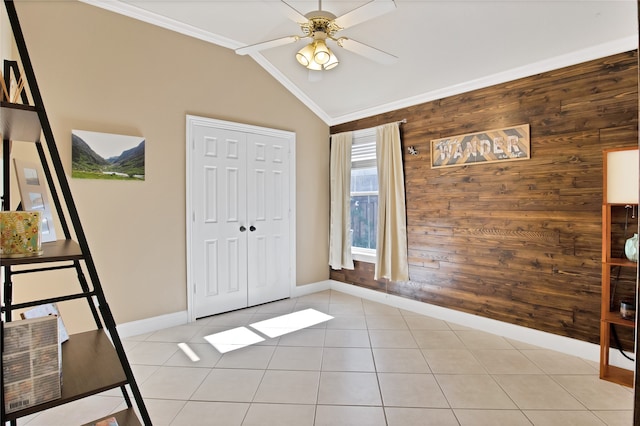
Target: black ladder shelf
(92, 361)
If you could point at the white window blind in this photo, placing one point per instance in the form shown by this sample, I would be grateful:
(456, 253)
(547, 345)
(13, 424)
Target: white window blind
(363, 149)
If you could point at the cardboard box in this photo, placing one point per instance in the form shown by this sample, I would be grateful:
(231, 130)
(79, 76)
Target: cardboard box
(31, 362)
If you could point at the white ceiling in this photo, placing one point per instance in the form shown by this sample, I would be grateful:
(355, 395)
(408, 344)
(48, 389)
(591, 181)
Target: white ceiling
(444, 47)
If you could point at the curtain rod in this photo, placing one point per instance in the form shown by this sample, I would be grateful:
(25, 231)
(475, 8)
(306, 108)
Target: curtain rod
(403, 121)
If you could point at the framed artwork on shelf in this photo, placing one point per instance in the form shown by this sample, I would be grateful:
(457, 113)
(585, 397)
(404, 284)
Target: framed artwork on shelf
(33, 192)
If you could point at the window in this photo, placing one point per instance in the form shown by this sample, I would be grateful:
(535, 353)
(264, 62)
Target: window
(364, 195)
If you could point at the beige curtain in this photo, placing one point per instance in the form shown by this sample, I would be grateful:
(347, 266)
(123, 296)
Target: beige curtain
(340, 216)
(391, 244)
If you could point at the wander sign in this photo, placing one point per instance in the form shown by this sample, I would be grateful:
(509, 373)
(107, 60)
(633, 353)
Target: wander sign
(507, 144)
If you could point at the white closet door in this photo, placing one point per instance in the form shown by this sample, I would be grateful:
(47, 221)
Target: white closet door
(268, 214)
(240, 230)
(219, 245)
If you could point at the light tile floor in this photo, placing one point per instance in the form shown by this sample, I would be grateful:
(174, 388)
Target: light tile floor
(370, 365)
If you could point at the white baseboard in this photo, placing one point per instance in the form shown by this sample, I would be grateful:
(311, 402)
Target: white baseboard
(585, 350)
(149, 325)
(306, 289)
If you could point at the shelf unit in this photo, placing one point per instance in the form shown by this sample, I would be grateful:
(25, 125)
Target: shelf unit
(613, 237)
(93, 361)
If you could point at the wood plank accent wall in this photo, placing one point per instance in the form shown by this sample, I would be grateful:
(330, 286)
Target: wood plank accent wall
(515, 241)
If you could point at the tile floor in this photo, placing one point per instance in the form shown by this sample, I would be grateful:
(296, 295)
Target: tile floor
(370, 365)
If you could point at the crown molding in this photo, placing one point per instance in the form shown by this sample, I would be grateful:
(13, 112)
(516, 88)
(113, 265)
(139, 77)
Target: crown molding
(292, 88)
(134, 12)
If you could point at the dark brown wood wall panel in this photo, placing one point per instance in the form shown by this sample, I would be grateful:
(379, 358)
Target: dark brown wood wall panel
(516, 241)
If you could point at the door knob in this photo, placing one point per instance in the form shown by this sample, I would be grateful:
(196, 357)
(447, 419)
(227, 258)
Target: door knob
(252, 228)
(242, 229)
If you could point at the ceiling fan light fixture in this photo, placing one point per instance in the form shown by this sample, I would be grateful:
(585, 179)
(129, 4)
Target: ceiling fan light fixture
(308, 56)
(314, 66)
(321, 53)
(332, 63)
(305, 55)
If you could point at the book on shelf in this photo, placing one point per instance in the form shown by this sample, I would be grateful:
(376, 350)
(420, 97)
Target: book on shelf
(31, 358)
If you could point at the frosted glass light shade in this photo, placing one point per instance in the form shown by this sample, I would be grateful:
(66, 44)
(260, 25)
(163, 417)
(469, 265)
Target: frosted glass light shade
(314, 66)
(621, 183)
(305, 55)
(333, 62)
(321, 54)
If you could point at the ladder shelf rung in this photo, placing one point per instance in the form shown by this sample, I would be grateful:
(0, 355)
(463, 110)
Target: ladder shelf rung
(49, 300)
(52, 268)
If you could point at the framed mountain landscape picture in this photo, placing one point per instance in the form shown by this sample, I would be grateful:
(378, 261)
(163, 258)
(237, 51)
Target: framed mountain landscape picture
(97, 155)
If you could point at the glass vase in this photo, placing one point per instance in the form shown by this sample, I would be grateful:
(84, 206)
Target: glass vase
(631, 248)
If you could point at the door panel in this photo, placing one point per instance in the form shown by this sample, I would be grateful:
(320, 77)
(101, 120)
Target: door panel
(209, 194)
(219, 248)
(260, 263)
(211, 268)
(268, 211)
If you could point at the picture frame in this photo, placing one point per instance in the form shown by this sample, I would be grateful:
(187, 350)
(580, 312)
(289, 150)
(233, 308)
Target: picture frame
(32, 184)
(489, 146)
(96, 155)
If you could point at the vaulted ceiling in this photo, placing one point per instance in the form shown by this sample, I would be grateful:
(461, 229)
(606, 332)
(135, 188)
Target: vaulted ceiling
(443, 47)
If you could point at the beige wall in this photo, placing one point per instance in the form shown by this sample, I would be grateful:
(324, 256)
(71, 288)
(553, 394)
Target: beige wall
(103, 72)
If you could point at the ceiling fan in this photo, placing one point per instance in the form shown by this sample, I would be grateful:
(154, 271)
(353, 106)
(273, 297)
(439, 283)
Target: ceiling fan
(322, 26)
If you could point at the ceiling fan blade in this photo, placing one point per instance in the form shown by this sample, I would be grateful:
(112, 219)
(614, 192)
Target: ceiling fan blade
(369, 52)
(292, 13)
(253, 48)
(365, 12)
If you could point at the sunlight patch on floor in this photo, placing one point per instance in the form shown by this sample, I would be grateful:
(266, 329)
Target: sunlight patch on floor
(240, 337)
(289, 323)
(230, 340)
(189, 352)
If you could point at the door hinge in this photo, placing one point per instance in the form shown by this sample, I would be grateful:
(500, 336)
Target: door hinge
(193, 216)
